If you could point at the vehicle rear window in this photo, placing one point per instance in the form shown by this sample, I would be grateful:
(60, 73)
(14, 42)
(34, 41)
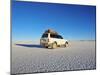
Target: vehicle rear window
(44, 35)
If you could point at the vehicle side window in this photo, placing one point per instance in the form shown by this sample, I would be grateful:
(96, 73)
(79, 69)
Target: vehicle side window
(56, 36)
(53, 36)
(60, 37)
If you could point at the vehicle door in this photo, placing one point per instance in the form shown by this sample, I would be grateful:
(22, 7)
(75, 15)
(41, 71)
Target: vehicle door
(61, 40)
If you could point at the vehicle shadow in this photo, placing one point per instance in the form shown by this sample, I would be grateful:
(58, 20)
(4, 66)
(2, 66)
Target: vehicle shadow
(30, 45)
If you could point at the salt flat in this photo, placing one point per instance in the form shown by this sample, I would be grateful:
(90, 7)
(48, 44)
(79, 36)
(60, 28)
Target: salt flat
(30, 57)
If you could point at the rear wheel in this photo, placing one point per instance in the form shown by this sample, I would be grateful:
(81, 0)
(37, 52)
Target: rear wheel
(54, 45)
(46, 46)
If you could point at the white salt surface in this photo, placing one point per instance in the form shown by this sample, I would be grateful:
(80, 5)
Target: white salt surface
(30, 57)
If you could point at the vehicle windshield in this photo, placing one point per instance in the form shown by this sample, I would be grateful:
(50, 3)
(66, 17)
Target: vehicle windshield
(44, 35)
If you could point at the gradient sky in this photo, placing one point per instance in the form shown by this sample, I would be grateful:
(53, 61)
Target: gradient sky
(73, 22)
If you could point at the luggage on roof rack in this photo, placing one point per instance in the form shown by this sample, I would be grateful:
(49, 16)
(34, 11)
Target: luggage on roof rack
(50, 31)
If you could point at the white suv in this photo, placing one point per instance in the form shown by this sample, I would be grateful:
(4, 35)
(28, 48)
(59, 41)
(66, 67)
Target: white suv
(52, 40)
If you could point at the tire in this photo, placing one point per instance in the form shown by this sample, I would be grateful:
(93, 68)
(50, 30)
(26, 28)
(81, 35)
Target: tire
(46, 46)
(66, 44)
(54, 45)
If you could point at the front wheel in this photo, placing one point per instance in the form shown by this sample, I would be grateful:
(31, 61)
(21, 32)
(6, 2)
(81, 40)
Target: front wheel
(66, 44)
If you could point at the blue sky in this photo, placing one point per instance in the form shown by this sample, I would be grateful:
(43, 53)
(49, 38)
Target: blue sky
(73, 22)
